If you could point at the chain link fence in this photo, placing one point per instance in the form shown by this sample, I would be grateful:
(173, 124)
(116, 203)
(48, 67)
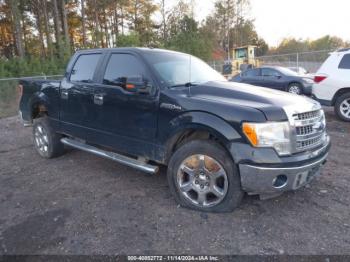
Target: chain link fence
(9, 94)
(217, 65)
(311, 61)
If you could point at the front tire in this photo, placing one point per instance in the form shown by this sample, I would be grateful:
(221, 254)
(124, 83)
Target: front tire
(46, 141)
(342, 107)
(295, 88)
(202, 176)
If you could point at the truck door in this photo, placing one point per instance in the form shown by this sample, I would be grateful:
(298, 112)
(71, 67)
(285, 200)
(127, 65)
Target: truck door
(123, 117)
(76, 94)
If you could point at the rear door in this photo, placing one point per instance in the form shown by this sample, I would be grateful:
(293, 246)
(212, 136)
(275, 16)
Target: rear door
(76, 94)
(252, 76)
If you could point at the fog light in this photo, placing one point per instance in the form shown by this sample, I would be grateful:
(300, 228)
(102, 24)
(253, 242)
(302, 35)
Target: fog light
(280, 181)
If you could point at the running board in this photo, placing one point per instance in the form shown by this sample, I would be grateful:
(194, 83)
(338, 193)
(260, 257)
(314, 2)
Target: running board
(112, 156)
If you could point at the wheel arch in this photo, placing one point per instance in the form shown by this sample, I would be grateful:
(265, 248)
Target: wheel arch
(39, 105)
(339, 93)
(294, 82)
(200, 125)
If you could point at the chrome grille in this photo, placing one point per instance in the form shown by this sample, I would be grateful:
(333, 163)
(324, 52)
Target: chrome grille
(310, 129)
(304, 130)
(309, 142)
(308, 115)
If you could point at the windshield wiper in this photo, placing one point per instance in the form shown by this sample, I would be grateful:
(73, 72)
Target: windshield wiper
(188, 84)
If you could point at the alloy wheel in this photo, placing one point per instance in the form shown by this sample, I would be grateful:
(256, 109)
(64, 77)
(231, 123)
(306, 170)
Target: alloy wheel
(41, 139)
(345, 108)
(294, 89)
(202, 180)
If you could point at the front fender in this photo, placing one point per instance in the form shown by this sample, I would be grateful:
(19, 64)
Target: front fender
(199, 121)
(206, 121)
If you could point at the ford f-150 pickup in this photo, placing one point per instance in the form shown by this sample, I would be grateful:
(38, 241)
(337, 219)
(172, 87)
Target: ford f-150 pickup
(146, 107)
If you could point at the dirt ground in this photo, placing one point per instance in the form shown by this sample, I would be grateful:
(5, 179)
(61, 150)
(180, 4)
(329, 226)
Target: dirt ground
(82, 204)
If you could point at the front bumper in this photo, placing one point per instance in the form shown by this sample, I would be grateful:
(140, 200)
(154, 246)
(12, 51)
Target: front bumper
(262, 180)
(322, 101)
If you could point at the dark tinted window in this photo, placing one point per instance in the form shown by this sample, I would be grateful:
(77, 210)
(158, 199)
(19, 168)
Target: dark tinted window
(122, 67)
(269, 72)
(345, 62)
(84, 68)
(251, 73)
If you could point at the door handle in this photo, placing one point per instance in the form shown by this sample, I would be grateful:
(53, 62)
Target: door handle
(98, 99)
(64, 94)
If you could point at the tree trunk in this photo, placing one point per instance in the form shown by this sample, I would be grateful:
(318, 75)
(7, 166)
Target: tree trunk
(64, 21)
(83, 21)
(39, 27)
(106, 28)
(47, 28)
(163, 20)
(97, 31)
(57, 23)
(116, 26)
(122, 16)
(18, 33)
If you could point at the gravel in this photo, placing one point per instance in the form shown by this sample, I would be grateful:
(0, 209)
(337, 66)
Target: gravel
(82, 204)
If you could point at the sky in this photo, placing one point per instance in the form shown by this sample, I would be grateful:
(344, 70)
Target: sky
(278, 19)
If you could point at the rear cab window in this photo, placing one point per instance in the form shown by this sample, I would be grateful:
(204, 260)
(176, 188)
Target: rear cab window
(84, 68)
(345, 62)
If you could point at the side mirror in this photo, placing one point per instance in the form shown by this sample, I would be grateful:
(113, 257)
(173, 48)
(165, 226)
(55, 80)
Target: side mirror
(138, 84)
(278, 76)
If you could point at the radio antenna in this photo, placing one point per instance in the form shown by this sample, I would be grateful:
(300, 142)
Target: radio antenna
(190, 82)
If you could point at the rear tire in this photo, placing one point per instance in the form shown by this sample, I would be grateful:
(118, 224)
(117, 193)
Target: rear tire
(46, 141)
(202, 176)
(342, 107)
(295, 88)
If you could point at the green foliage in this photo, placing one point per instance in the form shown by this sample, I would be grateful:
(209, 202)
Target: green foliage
(31, 66)
(292, 45)
(130, 40)
(189, 40)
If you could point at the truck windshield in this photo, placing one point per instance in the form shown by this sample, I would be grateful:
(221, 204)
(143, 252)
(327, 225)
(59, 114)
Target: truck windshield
(176, 69)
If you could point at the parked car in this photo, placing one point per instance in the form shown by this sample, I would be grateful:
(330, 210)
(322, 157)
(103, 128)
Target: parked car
(149, 107)
(332, 83)
(276, 77)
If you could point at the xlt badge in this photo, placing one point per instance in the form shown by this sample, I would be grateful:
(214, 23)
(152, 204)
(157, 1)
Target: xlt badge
(170, 106)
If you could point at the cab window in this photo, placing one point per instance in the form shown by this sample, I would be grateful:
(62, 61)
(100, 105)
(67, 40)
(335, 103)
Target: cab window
(84, 68)
(122, 67)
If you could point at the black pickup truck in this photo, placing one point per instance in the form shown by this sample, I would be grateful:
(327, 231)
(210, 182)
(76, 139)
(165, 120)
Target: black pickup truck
(148, 107)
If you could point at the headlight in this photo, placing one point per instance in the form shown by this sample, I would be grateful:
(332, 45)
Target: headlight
(273, 134)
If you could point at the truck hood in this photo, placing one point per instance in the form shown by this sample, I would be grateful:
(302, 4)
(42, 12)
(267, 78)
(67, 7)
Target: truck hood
(271, 102)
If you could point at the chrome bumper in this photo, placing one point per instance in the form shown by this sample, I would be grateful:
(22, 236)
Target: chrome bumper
(260, 180)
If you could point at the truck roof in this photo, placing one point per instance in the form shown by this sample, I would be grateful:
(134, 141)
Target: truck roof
(129, 49)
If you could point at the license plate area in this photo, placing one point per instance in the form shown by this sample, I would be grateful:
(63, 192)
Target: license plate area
(305, 177)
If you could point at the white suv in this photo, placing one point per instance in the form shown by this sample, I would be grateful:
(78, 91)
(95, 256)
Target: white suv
(332, 83)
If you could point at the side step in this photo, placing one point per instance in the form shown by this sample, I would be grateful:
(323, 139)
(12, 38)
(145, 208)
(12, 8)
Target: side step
(112, 156)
